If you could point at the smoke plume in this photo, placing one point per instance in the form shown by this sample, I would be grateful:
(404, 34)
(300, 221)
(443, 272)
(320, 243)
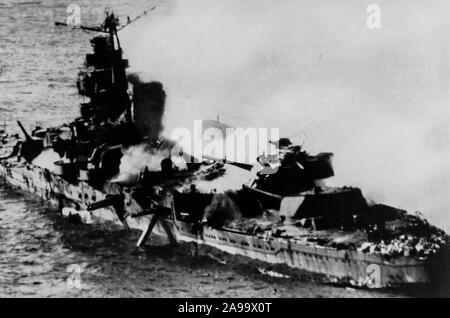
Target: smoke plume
(148, 106)
(221, 211)
(377, 98)
(148, 109)
(136, 158)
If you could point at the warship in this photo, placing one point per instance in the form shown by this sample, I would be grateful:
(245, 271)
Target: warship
(284, 215)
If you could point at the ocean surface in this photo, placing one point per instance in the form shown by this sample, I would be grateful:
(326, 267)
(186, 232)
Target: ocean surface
(44, 255)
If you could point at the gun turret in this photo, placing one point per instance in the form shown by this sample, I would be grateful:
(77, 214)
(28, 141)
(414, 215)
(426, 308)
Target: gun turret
(31, 148)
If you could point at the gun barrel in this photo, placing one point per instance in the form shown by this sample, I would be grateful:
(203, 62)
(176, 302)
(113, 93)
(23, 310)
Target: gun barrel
(275, 196)
(104, 203)
(27, 136)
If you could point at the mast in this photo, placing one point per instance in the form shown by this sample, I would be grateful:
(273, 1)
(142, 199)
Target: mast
(108, 93)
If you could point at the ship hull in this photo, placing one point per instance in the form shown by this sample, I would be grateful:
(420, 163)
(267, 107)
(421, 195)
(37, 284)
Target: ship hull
(352, 267)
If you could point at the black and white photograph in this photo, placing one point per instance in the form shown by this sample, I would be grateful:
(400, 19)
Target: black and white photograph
(224, 154)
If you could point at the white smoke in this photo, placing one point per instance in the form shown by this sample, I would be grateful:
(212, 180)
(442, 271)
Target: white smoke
(376, 98)
(136, 158)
